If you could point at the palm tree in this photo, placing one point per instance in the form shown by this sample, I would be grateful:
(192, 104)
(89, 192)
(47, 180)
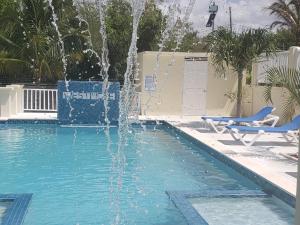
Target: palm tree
(288, 14)
(288, 78)
(238, 51)
(29, 42)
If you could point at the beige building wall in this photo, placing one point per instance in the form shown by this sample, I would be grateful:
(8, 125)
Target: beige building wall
(220, 92)
(167, 99)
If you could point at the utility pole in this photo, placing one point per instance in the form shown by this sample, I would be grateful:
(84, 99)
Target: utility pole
(230, 19)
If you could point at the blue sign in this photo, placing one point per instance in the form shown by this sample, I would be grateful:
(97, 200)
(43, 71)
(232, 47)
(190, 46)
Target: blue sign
(81, 102)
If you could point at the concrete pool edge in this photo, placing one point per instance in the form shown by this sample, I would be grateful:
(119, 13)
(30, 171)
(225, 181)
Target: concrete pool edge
(267, 183)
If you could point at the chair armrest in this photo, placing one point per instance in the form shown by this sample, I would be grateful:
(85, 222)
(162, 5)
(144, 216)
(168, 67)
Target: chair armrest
(269, 118)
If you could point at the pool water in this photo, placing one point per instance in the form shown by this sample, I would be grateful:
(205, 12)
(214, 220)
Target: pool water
(243, 210)
(68, 171)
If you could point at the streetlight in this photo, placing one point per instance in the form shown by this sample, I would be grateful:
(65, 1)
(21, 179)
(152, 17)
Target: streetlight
(213, 9)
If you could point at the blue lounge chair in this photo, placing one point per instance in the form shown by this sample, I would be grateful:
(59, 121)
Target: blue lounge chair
(289, 131)
(263, 116)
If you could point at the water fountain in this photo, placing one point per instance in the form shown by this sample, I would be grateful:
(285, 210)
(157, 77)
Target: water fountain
(127, 94)
(102, 7)
(173, 16)
(128, 91)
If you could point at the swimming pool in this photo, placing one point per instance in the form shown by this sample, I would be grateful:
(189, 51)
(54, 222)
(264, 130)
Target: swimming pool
(68, 172)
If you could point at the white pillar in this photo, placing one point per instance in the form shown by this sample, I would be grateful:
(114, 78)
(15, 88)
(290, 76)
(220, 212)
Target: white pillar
(5, 93)
(294, 62)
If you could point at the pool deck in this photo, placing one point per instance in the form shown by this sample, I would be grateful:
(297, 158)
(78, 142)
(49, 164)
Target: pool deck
(31, 116)
(265, 158)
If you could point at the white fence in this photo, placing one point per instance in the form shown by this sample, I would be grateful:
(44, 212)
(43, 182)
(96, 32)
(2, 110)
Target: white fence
(40, 100)
(265, 63)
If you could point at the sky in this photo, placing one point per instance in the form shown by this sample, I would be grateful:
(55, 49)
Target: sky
(245, 13)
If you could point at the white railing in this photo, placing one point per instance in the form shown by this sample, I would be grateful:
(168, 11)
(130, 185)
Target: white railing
(40, 100)
(265, 63)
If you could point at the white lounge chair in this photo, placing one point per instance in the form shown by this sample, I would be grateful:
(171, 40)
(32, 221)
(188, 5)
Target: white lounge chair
(262, 117)
(290, 131)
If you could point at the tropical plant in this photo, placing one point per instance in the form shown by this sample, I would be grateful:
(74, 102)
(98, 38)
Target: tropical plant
(288, 14)
(30, 49)
(238, 51)
(119, 29)
(191, 42)
(29, 42)
(288, 78)
(285, 39)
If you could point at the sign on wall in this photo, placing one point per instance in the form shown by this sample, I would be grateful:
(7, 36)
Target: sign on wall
(81, 102)
(149, 83)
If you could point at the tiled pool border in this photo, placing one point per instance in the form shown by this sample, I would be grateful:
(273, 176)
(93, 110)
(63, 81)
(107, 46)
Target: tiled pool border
(192, 216)
(44, 121)
(28, 121)
(15, 214)
(265, 184)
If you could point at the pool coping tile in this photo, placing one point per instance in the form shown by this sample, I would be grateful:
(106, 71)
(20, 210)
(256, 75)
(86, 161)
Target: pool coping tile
(15, 214)
(192, 216)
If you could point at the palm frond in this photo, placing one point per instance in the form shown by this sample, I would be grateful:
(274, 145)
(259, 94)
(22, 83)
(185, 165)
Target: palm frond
(288, 14)
(8, 41)
(239, 50)
(279, 24)
(10, 66)
(288, 78)
(289, 108)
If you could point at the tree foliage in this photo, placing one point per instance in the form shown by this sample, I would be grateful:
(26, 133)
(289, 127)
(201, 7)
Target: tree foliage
(30, 48)
(29, 43)
(191, 41)
(288, 14)
(238, 51)
(119, 29)
(285, 39)
(288, 78)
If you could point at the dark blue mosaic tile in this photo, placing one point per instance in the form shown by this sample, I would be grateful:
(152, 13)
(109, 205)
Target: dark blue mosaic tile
(82, 102)
(15, 214)
(180, 200)
(31, 121)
